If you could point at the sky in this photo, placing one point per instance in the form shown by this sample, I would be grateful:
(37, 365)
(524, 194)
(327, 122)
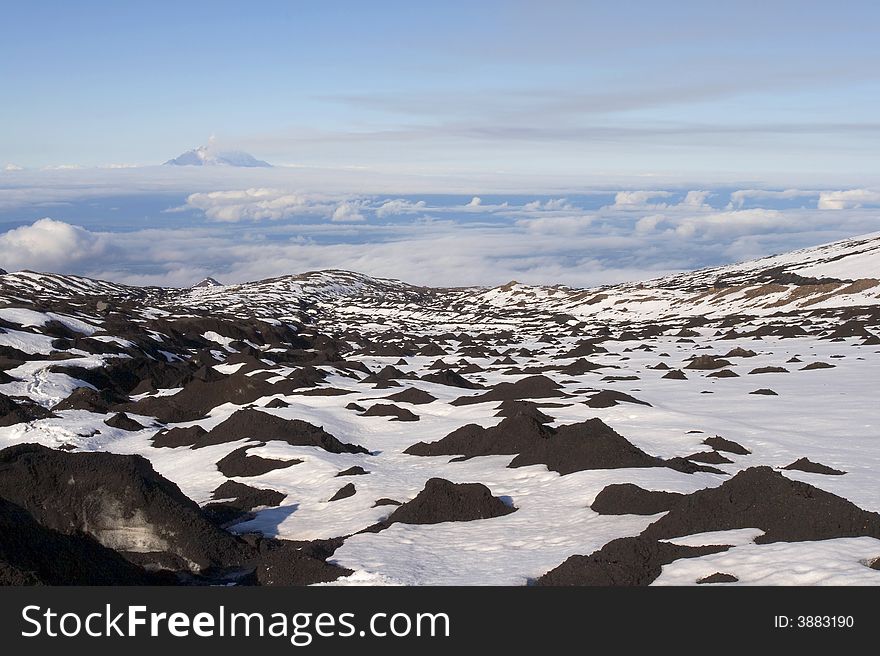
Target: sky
(452, 143)
(567, 87)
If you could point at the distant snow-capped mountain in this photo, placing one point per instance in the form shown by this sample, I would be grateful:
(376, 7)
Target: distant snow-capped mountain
(210, 156)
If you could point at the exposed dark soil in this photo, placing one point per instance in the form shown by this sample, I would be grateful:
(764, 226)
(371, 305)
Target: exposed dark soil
(390, 410)
(16, 411)
(675, 374)
(769, 370)
(718, 577)
(347, 490)
(574, 447)
(32, 554)
(629, 499)
(720, 444)
(707, 362)
(262, 426)
(353, 471)
(804, 464)
(412, 395)
(123, 422)
(532, 387)
(443, 501)
(622, 562)
(451, 379)
(239, 463)
(786, 510)
(608, 398)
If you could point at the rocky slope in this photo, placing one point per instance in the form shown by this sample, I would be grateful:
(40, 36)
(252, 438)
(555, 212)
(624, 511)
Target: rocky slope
(331, 426)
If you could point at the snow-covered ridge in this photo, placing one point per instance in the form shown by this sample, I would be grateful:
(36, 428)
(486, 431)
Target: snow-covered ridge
(839, 274)
(836, 275)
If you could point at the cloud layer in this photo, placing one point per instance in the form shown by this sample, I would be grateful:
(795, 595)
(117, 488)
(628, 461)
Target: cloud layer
(582, 240)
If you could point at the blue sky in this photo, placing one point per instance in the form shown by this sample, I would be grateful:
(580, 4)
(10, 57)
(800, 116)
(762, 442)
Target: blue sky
(584, 88)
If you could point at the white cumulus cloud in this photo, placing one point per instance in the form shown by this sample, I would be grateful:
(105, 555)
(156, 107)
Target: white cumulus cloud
(849, 199)
(695, 199)
(50, 245)
(637, 199)
(399, 206)
(249, 204)
(348, 211)
(738, 198)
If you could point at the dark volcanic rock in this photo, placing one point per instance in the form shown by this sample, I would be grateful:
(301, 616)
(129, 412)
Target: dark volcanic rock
(32, 554)
(723, 373)
(384, 501)
(709, 457)
(629, 499)
(124, 376)
(720, 444)
(443, 501)
(247, 497)
(412, 395)
(765, 391)
(786, 510)
(707, 362)
(451, 379)
(804, 464)
(584, 348)
(608, 398)
(390, 410)
(528, 408)
(175, 437)
(739, 352)
(124, 422)
(283, 562)
(625, 561)
(239, 463)
(817, 365)
(353, 471)
(574, 447)
(236, 500)
(347, 490)
(85, 398)
(119, 500)
(199, 397)
(769, 370)
(532, 387)
(263, 427)
(675, 374)
(718, 577)
(78, 517)
(386, 374)
(277, 403)
(17, 411)
(580, 367)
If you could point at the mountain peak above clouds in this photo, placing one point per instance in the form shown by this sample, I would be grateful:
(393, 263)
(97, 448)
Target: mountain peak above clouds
(210, 155)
